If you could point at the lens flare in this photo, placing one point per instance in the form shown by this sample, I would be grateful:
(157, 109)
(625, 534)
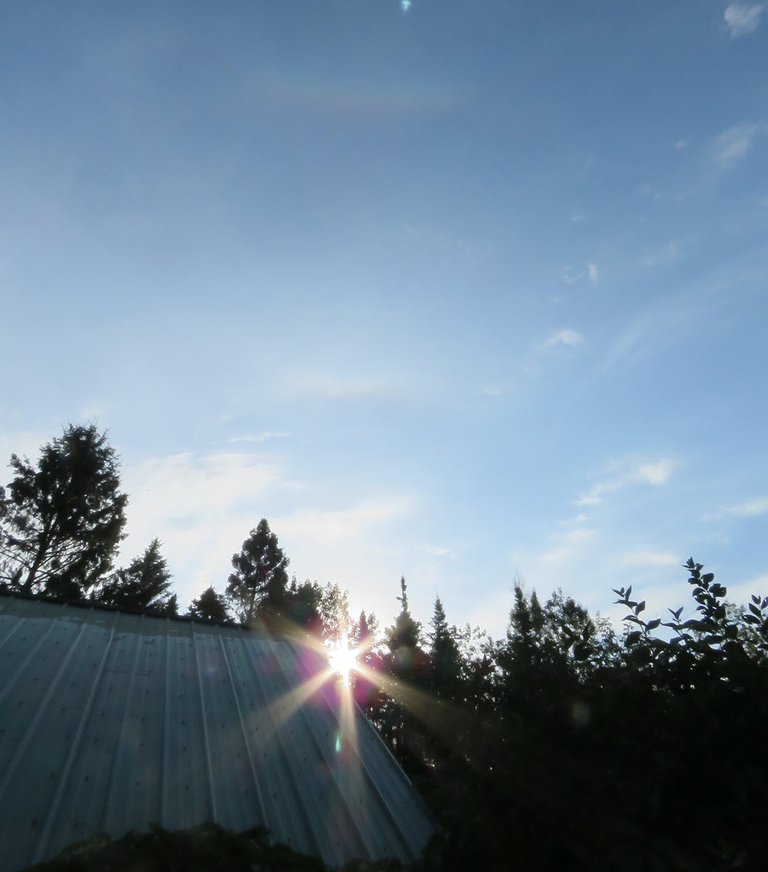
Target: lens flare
(342, 660)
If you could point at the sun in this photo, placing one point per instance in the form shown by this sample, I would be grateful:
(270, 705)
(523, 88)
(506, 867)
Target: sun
(342, 660)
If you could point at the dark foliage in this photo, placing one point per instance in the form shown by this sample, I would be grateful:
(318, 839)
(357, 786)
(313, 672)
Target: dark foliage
(62, 519)
(145, 584)
(582, 752)
(259, 582)
(205, 848)
(209, 606)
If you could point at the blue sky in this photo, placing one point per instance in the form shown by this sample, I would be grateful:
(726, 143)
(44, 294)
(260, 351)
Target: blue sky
(461, 291)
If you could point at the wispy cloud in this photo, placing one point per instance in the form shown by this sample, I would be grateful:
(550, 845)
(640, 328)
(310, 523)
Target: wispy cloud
(666, 255)
(439, 552)
(564, 337)
(655, 474)
(168, 491)
(734, 144)
(581, 518)
(742, 18)
(748, 509)
(339, 525)
(567, 545)
(260, 438)
(201, 506)
(342, 387)
(570, 275)
(650, 558)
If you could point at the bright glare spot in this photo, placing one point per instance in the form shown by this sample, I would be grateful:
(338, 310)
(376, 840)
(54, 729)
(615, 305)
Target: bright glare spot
(342, 660)
(406, 4)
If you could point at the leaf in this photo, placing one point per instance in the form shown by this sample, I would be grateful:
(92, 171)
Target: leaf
(755, 610)
(751, 619)
(756, 599)
(653, 624)
(707, 578)
(640, 607)
(629, 591)
(633, 638)
(695, 625)
(581, 651)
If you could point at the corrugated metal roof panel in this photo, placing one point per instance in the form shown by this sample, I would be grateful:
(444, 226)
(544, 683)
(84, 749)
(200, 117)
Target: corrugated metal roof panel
(111, 721)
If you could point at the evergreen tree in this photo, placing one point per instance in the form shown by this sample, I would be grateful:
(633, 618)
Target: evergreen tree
(145, 584)
(303, 604)
(445, 673)
(209, 606)
(259, 581)
(62, 519)
(404, 635)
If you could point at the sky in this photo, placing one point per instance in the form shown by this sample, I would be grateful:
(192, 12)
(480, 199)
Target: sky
(467, 291)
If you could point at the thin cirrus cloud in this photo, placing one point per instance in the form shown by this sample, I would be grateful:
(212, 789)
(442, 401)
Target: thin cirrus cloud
(734, 144)
(655, 474)
(747, 509)
(565, 337)
(650, 558)
(570, 275)
(171, 492)
(328, 527)
(567, 546)
(342, 388)
(260, 438)
(201, 507)
(742, 18)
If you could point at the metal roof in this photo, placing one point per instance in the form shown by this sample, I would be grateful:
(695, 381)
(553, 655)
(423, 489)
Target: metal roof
(110, 721)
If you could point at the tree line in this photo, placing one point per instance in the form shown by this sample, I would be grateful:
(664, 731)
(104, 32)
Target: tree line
(61, 523)
(566, 744)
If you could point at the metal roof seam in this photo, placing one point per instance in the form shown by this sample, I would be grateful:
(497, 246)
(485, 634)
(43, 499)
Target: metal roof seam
(206, 740)
(24, 663)
(15, 627)
(74, 748)
(366, 772)
(166, 730)
(22, 746)
(105, 726)
(313, 734)
(276, 735)
(107, 816)
(243, 730)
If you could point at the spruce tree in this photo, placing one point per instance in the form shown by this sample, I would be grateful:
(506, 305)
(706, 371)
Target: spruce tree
(259, 581)
(145, 584)
(209, 606)
(445, 656)
(62, 518)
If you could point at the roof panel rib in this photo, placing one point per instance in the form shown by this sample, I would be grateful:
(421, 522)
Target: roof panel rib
(112, 721)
